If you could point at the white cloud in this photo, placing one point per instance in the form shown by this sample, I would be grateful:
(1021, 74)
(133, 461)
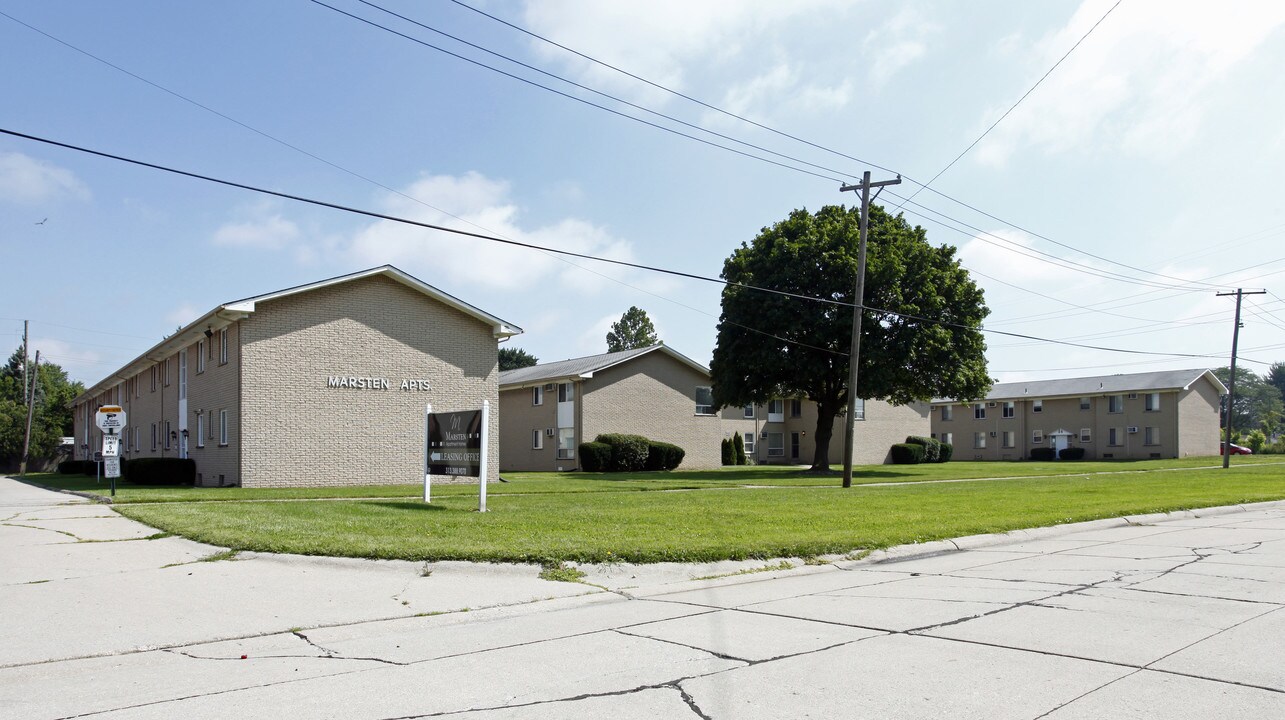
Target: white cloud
(482, 205)
(79, 362)
(26, 180)
(896, 44)
(183, 314)
(267, 233)
(1136, 83)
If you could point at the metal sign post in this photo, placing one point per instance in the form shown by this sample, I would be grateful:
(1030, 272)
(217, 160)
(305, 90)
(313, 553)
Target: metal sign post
(428, 479)
(481, 471)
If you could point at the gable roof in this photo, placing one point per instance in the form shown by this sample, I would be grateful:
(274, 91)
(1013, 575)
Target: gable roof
(1099, 385)
(585, 367)
(230, 312)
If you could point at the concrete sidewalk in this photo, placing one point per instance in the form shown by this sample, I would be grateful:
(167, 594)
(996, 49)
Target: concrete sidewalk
(1163, 617)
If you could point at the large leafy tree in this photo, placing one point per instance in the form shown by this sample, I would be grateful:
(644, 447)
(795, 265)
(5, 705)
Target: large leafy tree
(772, 346)
(514, 358)
(1276, 377)
(51, 419)
(632, 330)
(1258, 402)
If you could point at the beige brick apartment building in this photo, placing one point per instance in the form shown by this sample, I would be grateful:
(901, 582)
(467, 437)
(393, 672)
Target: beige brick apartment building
(659, 393)
(1173, 413)
(321, 384)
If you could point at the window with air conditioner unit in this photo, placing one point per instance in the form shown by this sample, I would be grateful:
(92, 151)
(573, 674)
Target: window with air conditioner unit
(549, 432)
(991, 404)
(1133, 396)
(1133, 429)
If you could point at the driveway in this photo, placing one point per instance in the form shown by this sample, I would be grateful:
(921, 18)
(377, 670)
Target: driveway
(1156, 617)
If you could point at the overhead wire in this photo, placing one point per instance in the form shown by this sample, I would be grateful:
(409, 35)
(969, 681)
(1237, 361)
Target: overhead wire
(466, 233)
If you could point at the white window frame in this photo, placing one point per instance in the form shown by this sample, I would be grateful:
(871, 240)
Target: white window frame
(200, 430)
(748, 439)
(979, 441)
(166, 435)
(568, 452)
(947, 413)
(566, 392)
(200, 356)
(165, 372)
(1086, 435)
(223, 346)
(776, 444)
(1037, 406)
(153, 378)
(860, 409)
(1151, 436)
(777, 403)
(537, 439)
(796, 407)
(537, 395)
(1115, 404)
(223, 428)
(153, 437)
(1086, 403)
(1152, 402)
(748, 412)
(1008, 440)
(1113, 437)
(1037, 436)
(948, 438)
(704, 409)
(979, 411)
(1010, 409)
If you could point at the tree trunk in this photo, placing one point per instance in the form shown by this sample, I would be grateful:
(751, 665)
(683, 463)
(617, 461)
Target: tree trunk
(826, 413)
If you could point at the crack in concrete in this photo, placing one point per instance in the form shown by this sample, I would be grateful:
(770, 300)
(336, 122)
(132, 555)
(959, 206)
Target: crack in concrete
(334, 654)
(691, 702)
(36, 527)
(1014, 606)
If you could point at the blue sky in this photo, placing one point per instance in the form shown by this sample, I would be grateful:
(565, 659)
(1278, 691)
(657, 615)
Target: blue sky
(1157, 144)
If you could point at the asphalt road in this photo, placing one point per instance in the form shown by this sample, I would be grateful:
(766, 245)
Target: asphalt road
(1156, 617)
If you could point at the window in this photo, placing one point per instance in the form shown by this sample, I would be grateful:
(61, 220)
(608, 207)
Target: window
(860, 409)
(182, 374)
(223, 428)
(200, 356)
(1037, 436)
(776, 407)
(153, 436)
(1009, 409)
(165, 366)
(1115, 404)
(947, 412)
(1086, 435)
(776, 444)
(153, 378)
(979, 411)
(566, 392)
(796, 409)
(979, 440)
(537, 440)
(1009, 440)
(948, 438)
(794, 446)
(748, 411)
(1151, 436)
(1037, 406)
(223, 346)
(537, 395)
(167, 434)
(1086, 403)
(704, 400)
(1152, 402)
(200, 429)
(1113, 436)
(566, 443)
(749, 443)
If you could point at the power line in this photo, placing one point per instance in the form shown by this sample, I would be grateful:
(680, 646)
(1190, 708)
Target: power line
(1013, 107)
(505, 241)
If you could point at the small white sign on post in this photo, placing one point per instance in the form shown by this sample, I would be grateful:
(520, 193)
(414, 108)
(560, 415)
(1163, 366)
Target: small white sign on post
(111, 467)
(111, 446)
(110, 419)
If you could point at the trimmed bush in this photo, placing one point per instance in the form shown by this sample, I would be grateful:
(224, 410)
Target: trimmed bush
(1071, 454)
(594, 456)
(738, 449)
(907, 454)
(160, 471)
(729, 452)
(932, 447)
(74, 467)
(1043, 454)
(628, 452)
(947, 450)
(664, 456)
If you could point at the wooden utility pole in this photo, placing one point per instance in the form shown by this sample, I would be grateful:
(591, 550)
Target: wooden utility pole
(1231, 383)
(26, 399)
(31, 408)
(859, 301)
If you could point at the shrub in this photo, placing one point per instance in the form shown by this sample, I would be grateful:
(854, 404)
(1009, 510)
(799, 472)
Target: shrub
(947, 450)
(160, 471)
(907, 454)
(932, 447)
(664, 456)
(738, 449)
(1255, 441)
(1070, 453)
(628, 452)
(729, 452)
(1043, 453)
(74, 467)
(594, 456)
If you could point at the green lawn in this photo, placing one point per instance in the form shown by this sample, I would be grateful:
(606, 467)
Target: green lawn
(553, 517)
